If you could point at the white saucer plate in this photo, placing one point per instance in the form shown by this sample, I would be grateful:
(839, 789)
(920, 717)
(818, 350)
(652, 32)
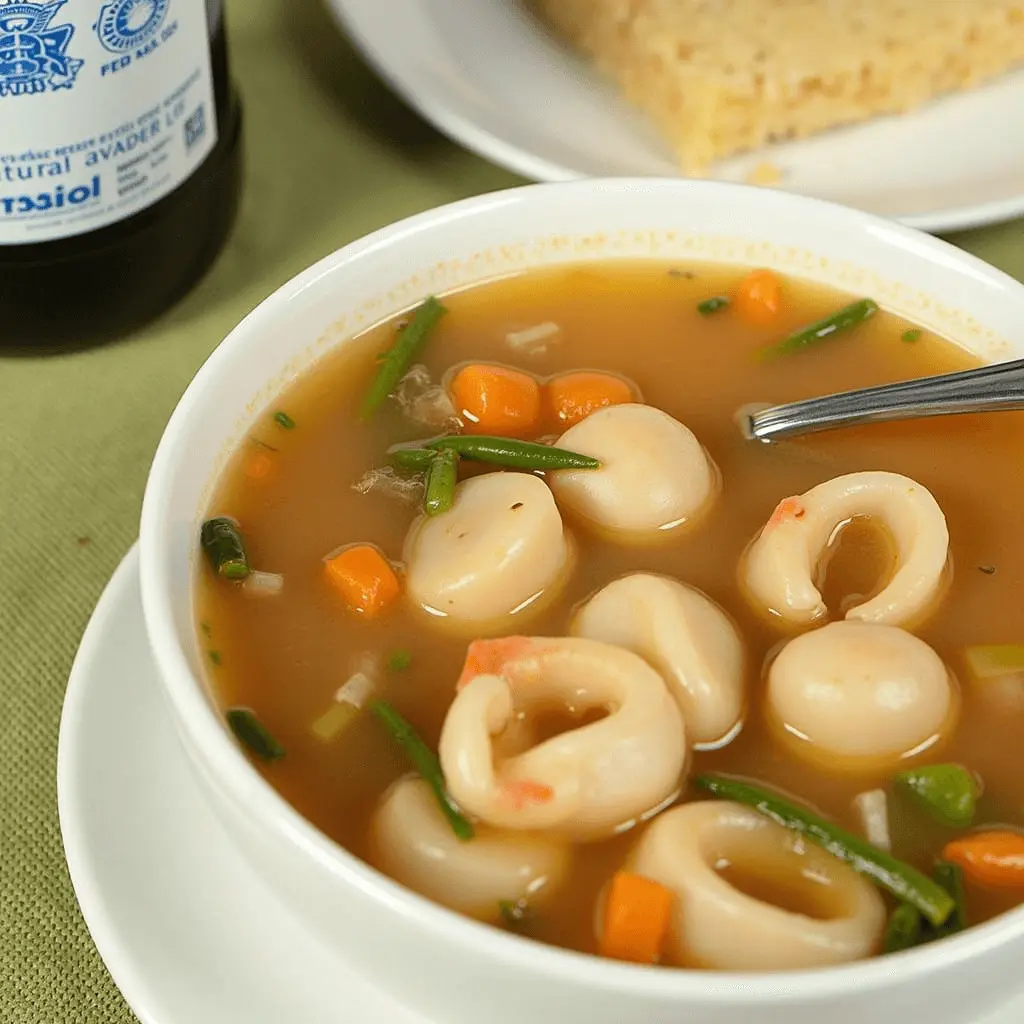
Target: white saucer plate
(488, 75)
(189, 934)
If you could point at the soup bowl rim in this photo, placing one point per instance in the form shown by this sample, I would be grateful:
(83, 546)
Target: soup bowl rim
(267, 809)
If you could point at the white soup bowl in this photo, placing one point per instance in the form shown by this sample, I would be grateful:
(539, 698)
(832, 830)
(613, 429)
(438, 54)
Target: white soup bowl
(455, 970)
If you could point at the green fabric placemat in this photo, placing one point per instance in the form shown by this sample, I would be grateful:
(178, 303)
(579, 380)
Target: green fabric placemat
(330, 155)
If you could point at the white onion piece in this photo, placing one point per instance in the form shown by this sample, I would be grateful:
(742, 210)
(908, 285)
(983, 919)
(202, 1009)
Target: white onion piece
(532, 341)
(872, 808)
(263, 584)
(424, 402)
(385, 481)
(357, 691)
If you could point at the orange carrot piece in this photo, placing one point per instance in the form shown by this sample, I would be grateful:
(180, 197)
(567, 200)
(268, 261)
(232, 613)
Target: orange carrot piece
(758, 297)
(989, 858)
(520, 793)
(260, 466)
(496, 400)
(637, 916)
(364, 578)
(572, 397)
(488, 657)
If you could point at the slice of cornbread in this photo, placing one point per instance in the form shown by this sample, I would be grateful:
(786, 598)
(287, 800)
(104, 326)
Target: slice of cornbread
(723, 76)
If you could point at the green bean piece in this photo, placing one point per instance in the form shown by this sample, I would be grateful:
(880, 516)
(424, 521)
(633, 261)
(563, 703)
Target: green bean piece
(222, 541)
(410, 340)
(713, 305)
(951, 878)
(842, 320)
(903, 930)
(253, 734)
(418, 459)
(903, 881)
(947, 792)
(425, 762)
(505, 451)
(442, 476)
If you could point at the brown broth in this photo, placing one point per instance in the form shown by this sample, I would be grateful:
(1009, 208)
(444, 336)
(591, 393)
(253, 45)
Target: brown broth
(285, 656)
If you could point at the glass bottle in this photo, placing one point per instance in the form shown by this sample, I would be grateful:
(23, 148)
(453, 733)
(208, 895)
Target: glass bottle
(120, 162)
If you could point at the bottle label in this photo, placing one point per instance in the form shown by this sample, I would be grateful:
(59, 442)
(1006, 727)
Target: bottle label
(106, 106)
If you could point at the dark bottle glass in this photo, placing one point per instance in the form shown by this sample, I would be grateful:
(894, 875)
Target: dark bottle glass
(120, 163)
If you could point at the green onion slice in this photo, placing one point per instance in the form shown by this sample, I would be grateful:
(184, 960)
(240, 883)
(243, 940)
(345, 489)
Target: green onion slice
(221, 539)
(713, 305)
(948, 792)
(253, 734)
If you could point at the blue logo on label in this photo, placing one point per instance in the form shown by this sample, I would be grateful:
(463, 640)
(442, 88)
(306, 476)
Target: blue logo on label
(126, 25)
(33, 57)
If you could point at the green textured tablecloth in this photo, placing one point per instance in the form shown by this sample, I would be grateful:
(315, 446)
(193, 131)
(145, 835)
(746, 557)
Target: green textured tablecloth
(77, 434)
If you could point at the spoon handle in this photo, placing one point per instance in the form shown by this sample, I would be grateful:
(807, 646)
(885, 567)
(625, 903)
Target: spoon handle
(984, 389)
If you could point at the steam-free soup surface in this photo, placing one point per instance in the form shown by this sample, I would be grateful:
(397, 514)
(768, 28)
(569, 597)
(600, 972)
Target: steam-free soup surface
(285, 655)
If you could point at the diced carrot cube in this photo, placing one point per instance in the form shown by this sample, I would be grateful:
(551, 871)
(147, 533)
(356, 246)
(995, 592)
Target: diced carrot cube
(364, 578)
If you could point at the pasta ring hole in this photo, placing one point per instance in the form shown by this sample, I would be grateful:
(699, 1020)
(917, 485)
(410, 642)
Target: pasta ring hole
(777, 876)
(858, 563)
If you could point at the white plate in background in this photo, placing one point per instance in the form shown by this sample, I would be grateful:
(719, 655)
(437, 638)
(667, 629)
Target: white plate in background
(488, 75)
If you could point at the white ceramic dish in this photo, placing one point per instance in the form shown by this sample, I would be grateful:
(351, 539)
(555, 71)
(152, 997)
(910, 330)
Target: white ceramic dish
(489, 76)
(188, 932)
(454, 969)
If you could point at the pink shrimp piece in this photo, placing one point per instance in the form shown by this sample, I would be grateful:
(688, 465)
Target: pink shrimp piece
(489, 657)
(521, 793)
(786, 509)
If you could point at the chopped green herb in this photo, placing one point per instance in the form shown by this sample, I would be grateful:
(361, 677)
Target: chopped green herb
(410, 339)
(425, 762)
(284, 420)
(911, 336)
(263, 444)
(713, 305)
(948, 792)
(253, 734)
(399, 661)
(903, 881)
(215, 657)
(222, 541)
(515, 913)
(205, 627)
(686, 275)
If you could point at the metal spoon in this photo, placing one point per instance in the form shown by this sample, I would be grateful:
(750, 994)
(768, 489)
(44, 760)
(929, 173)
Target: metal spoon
(984, 389)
